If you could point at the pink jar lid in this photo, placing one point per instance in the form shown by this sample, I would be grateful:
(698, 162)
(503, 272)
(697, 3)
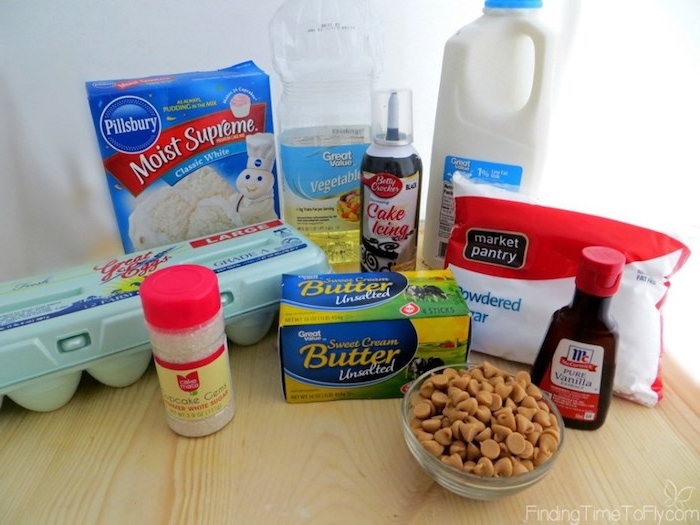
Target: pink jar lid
(600, 271)
(180, 296)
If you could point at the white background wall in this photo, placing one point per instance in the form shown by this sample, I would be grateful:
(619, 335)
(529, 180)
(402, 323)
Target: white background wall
(624, 133)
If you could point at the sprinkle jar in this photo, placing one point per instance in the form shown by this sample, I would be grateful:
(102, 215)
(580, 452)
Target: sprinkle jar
(184, 316)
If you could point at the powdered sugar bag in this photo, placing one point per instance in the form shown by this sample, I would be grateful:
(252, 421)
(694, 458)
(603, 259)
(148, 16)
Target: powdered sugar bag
(516, 261)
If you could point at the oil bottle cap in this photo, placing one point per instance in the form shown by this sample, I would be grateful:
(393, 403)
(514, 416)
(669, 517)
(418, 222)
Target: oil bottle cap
(600, 271)
(181, 296)
(392, 117)
(513, 4)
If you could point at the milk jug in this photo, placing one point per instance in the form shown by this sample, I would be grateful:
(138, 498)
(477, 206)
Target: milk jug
(492, 113)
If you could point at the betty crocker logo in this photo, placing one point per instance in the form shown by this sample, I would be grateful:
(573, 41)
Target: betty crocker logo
(384, 185)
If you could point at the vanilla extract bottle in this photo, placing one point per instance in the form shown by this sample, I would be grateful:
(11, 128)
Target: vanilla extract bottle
(391, 186)
(576, 362)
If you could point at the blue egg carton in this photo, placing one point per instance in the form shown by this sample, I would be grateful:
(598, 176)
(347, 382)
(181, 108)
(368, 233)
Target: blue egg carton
(56, 326)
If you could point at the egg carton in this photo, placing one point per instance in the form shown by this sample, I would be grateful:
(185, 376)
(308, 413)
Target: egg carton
(89, 318)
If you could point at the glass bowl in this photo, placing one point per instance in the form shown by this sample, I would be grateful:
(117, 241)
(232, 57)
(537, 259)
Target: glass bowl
(465, 483)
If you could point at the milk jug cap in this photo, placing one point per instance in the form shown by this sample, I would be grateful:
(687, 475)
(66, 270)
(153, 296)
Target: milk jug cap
(513, 4)
(600, 271)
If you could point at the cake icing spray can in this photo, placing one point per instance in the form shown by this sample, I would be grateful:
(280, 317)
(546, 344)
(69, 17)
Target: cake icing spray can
(391, 178)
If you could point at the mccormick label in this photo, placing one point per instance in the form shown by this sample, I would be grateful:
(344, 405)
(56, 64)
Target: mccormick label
(368, 335)
(187, 155)
(574, 379)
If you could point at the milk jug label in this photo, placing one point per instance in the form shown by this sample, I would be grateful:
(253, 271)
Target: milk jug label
(504, 176)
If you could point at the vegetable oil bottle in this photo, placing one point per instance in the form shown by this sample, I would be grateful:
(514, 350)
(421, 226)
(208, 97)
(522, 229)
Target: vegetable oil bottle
(326, 55)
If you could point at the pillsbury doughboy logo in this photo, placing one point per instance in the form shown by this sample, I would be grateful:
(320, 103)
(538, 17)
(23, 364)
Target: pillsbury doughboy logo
(130, 124)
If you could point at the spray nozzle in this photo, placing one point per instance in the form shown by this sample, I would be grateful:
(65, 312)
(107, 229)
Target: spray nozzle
(392, 129)
(392, 117)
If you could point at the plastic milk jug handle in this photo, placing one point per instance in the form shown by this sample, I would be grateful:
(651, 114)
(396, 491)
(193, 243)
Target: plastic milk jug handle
(466, 93)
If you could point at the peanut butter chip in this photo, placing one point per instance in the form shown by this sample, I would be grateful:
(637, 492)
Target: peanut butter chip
(459, 448)
(444, 437)
(515, 443)
(518, 468)
(427, 388)
(490, 449)
(484, 398)
(440, 399)
(423, 409)
(432, 446)
(500, 431)
(547, 443)
(484, 467)
(456, 395)
(440, 381)
(432, 425)
(503, 468)
(454, 460)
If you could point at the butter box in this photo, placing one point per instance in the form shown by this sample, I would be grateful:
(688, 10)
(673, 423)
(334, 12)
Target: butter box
(368, 335)
(188, 154)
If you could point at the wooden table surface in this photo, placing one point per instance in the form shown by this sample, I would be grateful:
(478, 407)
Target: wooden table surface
(108, 457)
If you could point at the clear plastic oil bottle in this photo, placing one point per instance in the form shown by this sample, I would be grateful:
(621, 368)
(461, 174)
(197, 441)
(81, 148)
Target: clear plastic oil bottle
(325, 52)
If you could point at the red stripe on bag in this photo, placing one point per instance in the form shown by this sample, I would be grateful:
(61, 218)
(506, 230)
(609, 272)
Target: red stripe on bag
(552, 252)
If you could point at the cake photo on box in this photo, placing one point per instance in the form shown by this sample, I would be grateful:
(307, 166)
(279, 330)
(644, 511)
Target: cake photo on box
(187, 155)
(204, 202)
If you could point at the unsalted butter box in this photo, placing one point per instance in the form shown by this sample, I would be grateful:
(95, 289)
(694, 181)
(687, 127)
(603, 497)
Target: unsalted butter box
(188, 154)
(368, 335)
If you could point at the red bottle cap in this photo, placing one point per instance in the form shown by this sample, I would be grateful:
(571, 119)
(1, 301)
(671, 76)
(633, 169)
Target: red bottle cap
(600, 271)
(180, 296)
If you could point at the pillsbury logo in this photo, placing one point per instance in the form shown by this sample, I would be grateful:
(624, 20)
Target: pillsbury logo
(130, 124)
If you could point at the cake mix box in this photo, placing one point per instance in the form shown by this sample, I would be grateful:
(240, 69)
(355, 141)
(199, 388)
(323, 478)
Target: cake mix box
(187, 154)
(368, 335)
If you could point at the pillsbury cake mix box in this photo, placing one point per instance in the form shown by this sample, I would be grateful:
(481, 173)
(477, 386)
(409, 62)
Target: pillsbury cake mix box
(368, 335)
(187, 155)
